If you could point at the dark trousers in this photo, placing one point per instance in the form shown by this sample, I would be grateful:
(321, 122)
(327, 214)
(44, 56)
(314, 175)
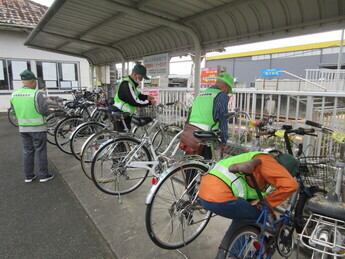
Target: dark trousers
(238, 210)
(35, 142)
(190, 175)
(118, 125)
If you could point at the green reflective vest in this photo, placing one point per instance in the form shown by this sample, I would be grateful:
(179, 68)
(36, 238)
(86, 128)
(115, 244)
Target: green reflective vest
(23, 101)
(202, 110)
(236, 181)
(123, 106)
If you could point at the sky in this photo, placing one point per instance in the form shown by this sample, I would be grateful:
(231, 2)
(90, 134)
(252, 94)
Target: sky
(181, 65)
(44, 2)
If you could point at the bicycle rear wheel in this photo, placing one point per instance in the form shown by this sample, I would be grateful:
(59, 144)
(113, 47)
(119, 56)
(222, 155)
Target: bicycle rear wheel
(12, 117)
(90, 148)
(242, 242)
(81, 134)
(174, 217)
(109, 171)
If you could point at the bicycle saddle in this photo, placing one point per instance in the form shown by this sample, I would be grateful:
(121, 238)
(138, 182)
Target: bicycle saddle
(205, 135)
(119, 115)
(322, 206)
(141, 121)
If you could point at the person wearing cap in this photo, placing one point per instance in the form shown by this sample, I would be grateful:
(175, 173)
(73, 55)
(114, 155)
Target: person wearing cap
(128, 98)
(209, 107)
(230, 194)
(30, 108)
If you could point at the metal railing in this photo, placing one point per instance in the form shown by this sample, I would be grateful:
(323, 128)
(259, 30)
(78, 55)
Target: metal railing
(330, 79)
(287, 107)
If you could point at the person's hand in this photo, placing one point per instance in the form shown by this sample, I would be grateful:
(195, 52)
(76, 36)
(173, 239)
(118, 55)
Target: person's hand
(255, 202)
(224, 149)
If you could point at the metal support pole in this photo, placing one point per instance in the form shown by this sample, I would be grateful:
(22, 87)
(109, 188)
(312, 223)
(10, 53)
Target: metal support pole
(197, 70)
(339, 60)
(123, 69)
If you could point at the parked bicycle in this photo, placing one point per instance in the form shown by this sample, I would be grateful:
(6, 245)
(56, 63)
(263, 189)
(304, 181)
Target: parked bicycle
(122, 164)
(324, 231)
(174, 217)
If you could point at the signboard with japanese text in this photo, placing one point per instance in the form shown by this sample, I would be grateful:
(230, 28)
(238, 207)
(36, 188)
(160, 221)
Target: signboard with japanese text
(157, 65)
(152, 92)
(271, 72)
(209, 75)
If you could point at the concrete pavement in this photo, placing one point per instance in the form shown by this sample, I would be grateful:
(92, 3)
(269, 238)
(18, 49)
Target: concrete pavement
(41, 220)
(72, 199)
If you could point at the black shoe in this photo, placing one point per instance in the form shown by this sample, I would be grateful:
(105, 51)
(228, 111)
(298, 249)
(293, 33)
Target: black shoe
(30, 179)
(47, 178)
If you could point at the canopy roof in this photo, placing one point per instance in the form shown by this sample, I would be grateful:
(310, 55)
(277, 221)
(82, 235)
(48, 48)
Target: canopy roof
(107, 31)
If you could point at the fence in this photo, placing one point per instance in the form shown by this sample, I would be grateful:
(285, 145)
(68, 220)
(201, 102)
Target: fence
(287, 107)
(332, 80)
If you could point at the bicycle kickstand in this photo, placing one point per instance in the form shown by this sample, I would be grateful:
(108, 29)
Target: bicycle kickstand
(119, 198)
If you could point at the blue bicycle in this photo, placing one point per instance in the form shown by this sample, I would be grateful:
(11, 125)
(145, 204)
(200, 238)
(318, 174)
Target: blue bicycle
(264, 237)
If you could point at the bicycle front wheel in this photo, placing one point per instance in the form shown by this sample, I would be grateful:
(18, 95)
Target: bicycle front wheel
(175, 217)
(90, 148)
(243, 242)
(110, 171)
(64, 130)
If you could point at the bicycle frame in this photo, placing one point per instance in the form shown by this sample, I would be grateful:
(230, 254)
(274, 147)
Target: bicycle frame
(149, 165)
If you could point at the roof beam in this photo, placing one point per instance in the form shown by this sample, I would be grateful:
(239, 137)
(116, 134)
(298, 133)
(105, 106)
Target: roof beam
(96, 45)
(106, 22)
(235, 3)
(172, 24)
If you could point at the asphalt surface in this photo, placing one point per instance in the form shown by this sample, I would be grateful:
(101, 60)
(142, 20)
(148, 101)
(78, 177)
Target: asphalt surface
(68, 217)
(41, 220)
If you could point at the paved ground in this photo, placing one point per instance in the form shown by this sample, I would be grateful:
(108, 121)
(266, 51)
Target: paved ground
(41, 220)
(57, 214)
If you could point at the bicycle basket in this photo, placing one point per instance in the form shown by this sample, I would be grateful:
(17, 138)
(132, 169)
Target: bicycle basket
(148, 111)
(317, 171)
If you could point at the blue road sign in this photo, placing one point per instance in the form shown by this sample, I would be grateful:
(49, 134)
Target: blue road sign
(271, 72)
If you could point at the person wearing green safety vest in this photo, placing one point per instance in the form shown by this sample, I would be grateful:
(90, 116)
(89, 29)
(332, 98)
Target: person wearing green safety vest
(30, 107)
(230, 194)
(208, 109)
(128, 98)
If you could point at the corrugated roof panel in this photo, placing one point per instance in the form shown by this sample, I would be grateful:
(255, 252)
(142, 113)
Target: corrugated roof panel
(136, 28)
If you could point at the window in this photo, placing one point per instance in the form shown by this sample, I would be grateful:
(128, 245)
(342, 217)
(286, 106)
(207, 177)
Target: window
(58, 75)
(4, 85)
(15, 67)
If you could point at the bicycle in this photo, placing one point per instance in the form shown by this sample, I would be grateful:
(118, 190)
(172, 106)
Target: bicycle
(161, 136)
(324, 231)
(122, 164)
(170, 203)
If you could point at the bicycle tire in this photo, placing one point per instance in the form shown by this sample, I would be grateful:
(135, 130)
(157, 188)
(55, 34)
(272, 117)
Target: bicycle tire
(182, 208)
(301, 213)
(107, 176)
(81, 134)
(51, 122)
(12, 117)
(91, 146)
(163, 136)
(240, 240)
(63, 131)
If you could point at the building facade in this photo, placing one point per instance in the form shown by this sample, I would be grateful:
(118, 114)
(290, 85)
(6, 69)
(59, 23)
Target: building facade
(247, 66)
(58, 73)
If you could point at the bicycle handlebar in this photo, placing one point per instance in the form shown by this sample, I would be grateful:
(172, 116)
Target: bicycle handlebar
(299, 131)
